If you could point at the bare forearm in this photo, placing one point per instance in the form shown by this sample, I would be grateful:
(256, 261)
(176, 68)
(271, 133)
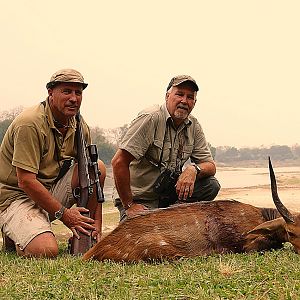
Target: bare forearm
(122, 182)
(207, 169)
(41, 196)
(120, 164)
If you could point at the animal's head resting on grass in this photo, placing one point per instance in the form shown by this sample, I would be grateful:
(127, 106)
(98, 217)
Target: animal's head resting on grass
(287, 228)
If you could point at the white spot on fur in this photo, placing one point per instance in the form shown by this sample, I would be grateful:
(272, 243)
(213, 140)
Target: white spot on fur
(128, 236)
(125, 255)
(242, 212)
(145, 251)
(162, 243)
(196, 221)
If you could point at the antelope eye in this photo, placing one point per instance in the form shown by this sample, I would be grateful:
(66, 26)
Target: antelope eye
(291, 234)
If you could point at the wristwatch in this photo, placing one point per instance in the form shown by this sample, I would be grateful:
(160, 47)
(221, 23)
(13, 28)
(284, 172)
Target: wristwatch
(58, 214)
(198, 169)
(126, 206)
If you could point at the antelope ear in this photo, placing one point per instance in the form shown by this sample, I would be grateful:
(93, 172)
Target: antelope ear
(268, 227)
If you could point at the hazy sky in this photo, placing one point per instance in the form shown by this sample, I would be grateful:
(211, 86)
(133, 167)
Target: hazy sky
(245, 56)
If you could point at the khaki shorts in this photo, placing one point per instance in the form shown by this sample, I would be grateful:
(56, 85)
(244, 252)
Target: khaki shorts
(23, 220)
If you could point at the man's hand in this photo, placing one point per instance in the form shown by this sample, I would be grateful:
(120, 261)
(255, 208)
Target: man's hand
(185, 183)
(74, 220)
(135, 209)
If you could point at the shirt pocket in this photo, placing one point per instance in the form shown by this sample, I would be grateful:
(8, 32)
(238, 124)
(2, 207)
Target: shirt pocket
(186, 152)
(158, 150)
(153, 153)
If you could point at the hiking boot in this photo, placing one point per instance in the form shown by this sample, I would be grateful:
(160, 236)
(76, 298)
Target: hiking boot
(8, 244)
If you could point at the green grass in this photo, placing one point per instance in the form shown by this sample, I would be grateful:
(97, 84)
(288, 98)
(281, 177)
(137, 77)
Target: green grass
(272, 275)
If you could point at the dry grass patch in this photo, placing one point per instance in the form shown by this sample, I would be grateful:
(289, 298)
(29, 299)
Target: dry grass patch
(229, 268)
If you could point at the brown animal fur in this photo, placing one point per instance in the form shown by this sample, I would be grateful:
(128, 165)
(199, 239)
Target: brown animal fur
(187, 230)
(201, 228)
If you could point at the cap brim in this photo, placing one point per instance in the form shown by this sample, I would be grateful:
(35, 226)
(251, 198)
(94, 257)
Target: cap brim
(194, 84)
(52, 84)
(187, 80)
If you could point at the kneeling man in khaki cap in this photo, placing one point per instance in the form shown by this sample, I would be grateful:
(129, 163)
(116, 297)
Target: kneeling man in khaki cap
(38, 171)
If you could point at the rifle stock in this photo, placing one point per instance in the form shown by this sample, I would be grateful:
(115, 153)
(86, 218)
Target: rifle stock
(83, 244)
(87, 162)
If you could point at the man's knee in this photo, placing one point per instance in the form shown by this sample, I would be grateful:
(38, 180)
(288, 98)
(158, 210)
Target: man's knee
(102, 169)
(44, 245)
(205, 189)
(215, 187)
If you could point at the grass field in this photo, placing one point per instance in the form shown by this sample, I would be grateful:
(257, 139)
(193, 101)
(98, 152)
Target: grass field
(272, 275)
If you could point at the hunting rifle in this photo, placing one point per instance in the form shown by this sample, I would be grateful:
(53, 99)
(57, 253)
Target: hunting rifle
(88, 176)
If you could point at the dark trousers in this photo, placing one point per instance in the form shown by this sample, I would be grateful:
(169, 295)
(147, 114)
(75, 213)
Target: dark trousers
(205, 189)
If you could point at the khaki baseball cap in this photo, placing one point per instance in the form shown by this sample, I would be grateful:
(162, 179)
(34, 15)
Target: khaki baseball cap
(180, 79)
(66, 75)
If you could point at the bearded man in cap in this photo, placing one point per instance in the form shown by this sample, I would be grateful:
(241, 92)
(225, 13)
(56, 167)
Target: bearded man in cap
(38, 171)
(164, 157)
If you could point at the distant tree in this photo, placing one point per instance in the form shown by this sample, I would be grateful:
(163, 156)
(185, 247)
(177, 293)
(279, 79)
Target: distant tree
(3, 128)
(115, 135)
(97, 135)
(6, 118)
(213, 150)
(106, 150)
(227, 154)
(277, 152)
(296, 151)
(246, 154)
(10, 114)
(280, 152)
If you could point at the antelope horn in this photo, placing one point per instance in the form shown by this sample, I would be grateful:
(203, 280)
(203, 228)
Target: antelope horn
(280, 207)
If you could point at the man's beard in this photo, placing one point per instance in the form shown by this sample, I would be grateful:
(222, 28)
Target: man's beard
(181, 114)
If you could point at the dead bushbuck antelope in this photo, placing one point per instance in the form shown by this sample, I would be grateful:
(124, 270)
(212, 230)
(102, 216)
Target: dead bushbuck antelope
(201, 228)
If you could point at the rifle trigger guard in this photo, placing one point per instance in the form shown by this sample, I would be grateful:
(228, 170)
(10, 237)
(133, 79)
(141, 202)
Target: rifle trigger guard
(76, 193)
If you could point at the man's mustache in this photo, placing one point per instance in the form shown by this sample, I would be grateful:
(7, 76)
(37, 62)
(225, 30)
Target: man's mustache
(183, 107)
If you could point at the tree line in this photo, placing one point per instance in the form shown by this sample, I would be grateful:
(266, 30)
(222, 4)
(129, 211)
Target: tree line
(276, 152)
(107, 141)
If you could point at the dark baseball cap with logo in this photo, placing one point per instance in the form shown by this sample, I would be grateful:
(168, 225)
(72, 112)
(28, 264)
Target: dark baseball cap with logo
(180, 79)
(66, 76)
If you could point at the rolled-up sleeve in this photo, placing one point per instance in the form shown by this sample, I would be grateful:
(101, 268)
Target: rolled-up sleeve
(201, 151)
(139, 136)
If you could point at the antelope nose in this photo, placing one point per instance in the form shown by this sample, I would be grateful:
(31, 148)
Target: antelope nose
(297, 249)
